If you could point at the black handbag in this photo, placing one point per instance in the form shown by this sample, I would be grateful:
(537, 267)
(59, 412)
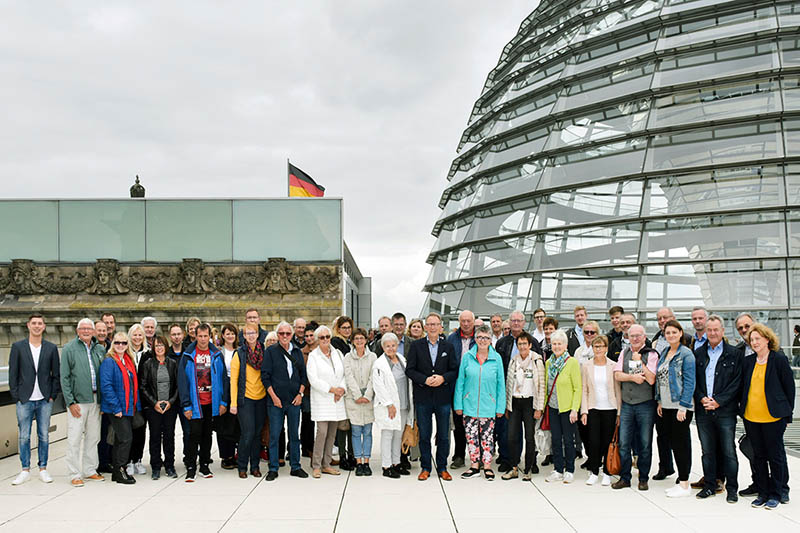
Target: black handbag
(138, 420)
(746, 447)
(227, 426)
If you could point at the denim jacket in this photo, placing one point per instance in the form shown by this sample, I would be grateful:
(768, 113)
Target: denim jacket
(681, 377)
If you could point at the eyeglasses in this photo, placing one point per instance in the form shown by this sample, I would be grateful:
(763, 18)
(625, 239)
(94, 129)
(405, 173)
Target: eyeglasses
(538, 317)
(324, 337)
(589, 332)
(284, 333)
(121, 343)
(251, 333)
(345, 326)
(517, 320)
(482, 338)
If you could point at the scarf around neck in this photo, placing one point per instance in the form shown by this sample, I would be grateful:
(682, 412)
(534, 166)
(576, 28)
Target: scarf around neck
(124, 368)
(255, 356)
(557, 364)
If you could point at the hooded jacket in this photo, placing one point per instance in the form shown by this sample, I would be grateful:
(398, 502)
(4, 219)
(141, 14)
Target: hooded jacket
(187, 381)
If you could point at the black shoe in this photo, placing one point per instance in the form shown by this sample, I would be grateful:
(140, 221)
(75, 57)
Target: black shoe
(405, 463)
(156, 474)
(458, 462)
(705, 493)
(784, 498)
(205, 472)
(170, 472)
(359, 470)
(391, 472)
(272, 475)
(368, 470)
(732, 497)
(503, 467)
(585, 465)
(400, 470)
(105, 469)
(281, 462)
(662, 475)
(190, 473)
(297, 473)
(534, 468)
(548, 460)
(228, 464)
(348, 464)
(749, 491)
(122, 477)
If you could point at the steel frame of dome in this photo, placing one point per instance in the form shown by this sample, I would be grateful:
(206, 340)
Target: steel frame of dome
(640, 153)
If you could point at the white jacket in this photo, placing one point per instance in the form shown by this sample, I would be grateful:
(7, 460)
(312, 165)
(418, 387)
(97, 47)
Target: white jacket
(322, 376)
(385, 388)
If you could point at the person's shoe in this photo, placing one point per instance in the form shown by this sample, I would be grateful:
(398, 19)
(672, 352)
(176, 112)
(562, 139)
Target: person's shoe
(281, 462)
(705, 493)
(156, 474)
(368, 470)
(272, 475)
(606, 480)
(403, 471)
(511, 474)
(316, 474)
(359, 470)
(554, 477)
(77, 482)
(228, 464)
(170, 472)
(122, 477)
(749, 491)
(299, 472)
(678, 492)
(585, 465)
(662, 475)
(130, 469)
(569, 477)
(785, 498)
(771, 504)
(526, 476)
(330, 471)
(548, 460)
(45, 476)
(445, 475)
(22, 477)
(759, 502)
(242, 474)
(405, 463)
(732, 497)
(503, 467)
(256, 472)
(535, 468)
(470, 472)
(190, 473)
(643, 485)
(334, 462)
(306, 453)
(424, 475)
(391, 473)
(621, 484)
(206, 472)
(458, 462)
(592, 479)
(488, 473)
(96, 477)
(699, 484)
(105, 469)
(139, 468)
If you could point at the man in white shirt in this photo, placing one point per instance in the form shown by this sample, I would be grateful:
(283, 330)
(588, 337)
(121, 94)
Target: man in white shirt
(538, 319)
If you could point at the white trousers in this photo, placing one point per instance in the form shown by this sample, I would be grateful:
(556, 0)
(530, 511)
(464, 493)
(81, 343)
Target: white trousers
(86, 431)
(391, 441)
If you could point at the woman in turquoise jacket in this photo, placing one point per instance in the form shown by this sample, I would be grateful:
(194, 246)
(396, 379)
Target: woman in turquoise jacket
(481, 397)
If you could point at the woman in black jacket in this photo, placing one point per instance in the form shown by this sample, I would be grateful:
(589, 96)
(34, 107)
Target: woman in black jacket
(766, 406)
(158, 385)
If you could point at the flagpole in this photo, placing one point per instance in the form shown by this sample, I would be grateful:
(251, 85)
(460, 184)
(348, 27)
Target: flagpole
(288, 186)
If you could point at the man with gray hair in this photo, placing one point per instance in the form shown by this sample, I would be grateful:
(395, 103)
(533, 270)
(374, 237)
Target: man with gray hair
(699, 318)
(149, 325)
(80, 368)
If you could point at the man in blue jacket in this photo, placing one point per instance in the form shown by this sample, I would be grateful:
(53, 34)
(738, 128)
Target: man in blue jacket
(204, 391)
(462, 340)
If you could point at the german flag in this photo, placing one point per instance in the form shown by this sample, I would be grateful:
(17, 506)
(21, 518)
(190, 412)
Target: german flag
(301, 184)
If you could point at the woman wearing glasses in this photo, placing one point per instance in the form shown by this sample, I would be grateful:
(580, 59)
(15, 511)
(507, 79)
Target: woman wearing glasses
(248, 400)
(480, 396)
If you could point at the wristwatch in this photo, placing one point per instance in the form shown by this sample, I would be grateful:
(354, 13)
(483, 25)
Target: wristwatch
(301, 394)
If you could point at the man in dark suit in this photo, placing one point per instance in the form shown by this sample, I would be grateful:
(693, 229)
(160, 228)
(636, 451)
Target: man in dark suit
(34, 382)
(575, 335)
(432, 367)
(716, 402)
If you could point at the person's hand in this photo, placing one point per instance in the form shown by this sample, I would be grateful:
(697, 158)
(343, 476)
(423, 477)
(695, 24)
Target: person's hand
(712, 404)
(234, 410)
(508, 413)
(277, 402)
(537, 414)
(636, 356)
(362, 400)
(658, 410)
(223, 409)
(573, 416)
(188, 414)
(166, 407)
(429, 381)
(584, 419)
(437, 380)
(500, 415)
(75, 410)
(118, 415)
(681, 415)
(297, 400)
(637, 378)
(459, 412)
(392, 412)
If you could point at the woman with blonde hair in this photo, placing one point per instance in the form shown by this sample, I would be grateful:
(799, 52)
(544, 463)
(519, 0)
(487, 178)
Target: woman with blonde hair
(416, 329)
(139, 351)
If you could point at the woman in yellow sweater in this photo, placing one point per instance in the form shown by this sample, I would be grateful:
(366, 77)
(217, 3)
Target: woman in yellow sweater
(248, 400)
(564, 389)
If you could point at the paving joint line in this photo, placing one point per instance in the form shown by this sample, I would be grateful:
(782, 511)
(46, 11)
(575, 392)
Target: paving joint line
(225, 523)
(553, 506)
(447, 501)
(144, 502)
(341, 501)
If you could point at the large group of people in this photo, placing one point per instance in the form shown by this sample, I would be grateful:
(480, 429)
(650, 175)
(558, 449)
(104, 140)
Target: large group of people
(318, 391)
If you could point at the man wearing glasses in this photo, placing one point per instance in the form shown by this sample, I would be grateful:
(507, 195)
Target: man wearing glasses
(538, 318)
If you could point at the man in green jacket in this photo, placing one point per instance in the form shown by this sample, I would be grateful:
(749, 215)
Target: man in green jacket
(80, 384)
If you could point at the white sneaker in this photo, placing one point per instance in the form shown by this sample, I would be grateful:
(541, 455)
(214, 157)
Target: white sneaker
(139, 468)
(45, 476)
(592, 479)
(554, 476)
(678, 492)
(569, 477)
(606, 480)
(23, 476)
(129, 469)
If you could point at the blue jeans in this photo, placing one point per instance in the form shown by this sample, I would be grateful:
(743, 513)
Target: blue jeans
(276, 415)
(362, 441)
(41, 409)
(251, 420)
(636, 423)
(562, 433)
(718, 433)
(425, 412)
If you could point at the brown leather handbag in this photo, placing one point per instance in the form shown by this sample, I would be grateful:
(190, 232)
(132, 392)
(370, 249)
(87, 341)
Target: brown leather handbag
(410, 438)
(612, 456)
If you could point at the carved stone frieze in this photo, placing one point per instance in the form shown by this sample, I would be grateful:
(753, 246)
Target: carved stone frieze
(191, 276)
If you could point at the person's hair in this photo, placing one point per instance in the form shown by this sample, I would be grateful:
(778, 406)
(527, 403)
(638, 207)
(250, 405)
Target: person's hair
(250, 310)
(247, 326)
(742, 315)
(550, 321)
(616, 309)
(384, 317)
(600, 339)
(122, 336)
(578, 308)
(294, 322)
(526, 337)
(149, 318)
(539, 309)
(130, 335)
(797, 327)
(498, 315)
(388, 337)
(272, 335)
(310, 328)
(633, 317)
(283, 323)
(341, 321)
(398, 315)
(175, 325)
(191, 321)
(39, 315)
(437, 315)
(320, 330)
(360, 331)
(558, 335)
(773, 342)
(700, 308)
(483, 329)
(506, 324)
(717, 318)
(205, 326)
(107, 313)
(414, 321)
(592, 323)
(672, 323)
(85, 321)
(101, 322)
(230, 327)
(161, 340)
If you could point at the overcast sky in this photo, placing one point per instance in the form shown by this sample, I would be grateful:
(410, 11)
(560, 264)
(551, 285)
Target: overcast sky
(208, 99)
